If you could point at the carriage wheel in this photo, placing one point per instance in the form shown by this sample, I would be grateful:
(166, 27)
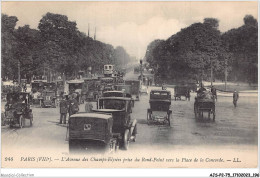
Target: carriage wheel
(195, 112)
(148, 118)
(169, 119)
(21, 121)
(214, 114)
(31, 119)
(126, 140)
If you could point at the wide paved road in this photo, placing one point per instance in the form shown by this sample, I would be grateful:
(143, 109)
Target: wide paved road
(233, 126)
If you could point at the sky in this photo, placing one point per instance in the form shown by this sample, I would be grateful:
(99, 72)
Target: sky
(133, 25)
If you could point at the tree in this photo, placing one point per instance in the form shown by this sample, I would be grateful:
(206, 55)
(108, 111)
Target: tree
(189, 53)
(243, 44)
(9, 62)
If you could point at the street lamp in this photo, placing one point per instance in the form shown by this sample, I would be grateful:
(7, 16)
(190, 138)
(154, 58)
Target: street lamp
(141, 68)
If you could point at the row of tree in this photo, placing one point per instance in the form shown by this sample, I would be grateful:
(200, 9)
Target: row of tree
(57, 45)
(201, 48)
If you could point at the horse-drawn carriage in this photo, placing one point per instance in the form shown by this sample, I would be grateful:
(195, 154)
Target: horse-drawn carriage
(204, 102)
(159, 111)
(181, 90)
(17, 109)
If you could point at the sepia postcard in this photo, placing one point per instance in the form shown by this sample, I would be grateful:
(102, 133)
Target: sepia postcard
(121, 84)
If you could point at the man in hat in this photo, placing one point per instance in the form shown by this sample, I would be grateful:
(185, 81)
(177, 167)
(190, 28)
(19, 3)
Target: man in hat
(235, 98)
(88, 106)
(214, 92)
(63, 110)
(73, 104)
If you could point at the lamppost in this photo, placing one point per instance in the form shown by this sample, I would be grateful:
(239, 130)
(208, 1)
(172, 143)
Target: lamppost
(141, 68)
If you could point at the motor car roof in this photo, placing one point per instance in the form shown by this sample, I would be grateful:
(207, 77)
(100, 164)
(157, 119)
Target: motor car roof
(91, 115)
(116, 98)
(161, 91)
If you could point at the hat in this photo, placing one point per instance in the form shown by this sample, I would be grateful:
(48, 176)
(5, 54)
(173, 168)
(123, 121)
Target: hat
(74, 95)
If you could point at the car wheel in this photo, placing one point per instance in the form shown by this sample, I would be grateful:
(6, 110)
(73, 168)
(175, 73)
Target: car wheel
(135, 133)
(21, 121)
(126, 140)
(31, 119)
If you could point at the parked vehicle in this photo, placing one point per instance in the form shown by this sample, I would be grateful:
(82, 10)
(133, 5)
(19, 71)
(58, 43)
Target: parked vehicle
(159, 111)
(92, 132)
(181, 90)
(17, 109)
(124, 128)
(204, 102)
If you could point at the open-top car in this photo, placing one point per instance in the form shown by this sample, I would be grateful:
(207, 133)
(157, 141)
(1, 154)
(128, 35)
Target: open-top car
(91, 132)
(124, 127)
(204, 102)
(159, 111)
(17, 109)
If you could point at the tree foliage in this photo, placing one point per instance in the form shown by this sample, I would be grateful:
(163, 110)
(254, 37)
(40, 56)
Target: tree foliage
(57, 45)
(192, 52)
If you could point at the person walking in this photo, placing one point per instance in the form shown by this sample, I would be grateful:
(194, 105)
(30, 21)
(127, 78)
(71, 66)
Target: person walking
(235, 98)
(88, 106)
(63, 110)
(214, 92)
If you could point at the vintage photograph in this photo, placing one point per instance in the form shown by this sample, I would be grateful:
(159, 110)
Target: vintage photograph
(129, 84)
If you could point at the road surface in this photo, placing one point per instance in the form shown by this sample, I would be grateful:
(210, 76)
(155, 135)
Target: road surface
(233, 126)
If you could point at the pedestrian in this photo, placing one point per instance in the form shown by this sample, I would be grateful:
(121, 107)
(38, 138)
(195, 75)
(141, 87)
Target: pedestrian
(235, 98)
(24, 87)
(214, 92)
(202, 89)
(73, 104)
(164, 87)
(100, 102)
(88, 106)
(63, 110)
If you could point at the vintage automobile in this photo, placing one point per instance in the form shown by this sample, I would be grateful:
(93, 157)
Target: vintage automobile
(17, 109)
(124, 128)
(122, 87)
(91, 132)
(135, 88)
(109, 70)
(76, 86)
(159, 111)
(90, 89)
(181, 90)
(48, 99)
(119, 94)
(48, 95)
(204, 102)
